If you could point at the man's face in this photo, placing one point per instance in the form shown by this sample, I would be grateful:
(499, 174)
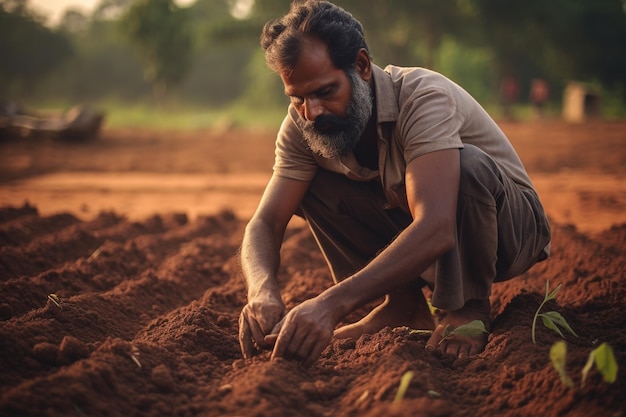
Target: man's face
(334, 106)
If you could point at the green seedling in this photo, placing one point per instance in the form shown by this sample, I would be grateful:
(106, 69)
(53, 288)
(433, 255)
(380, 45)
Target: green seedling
(431, 308)
(471, 329)
(404, 385)
(55, 300)
(602, 356)
(551, 319)
(558, 356)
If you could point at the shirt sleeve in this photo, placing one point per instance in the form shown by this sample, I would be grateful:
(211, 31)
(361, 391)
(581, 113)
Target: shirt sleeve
(429, 121)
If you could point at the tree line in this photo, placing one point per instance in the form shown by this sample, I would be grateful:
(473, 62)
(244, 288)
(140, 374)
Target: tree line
(203, 54)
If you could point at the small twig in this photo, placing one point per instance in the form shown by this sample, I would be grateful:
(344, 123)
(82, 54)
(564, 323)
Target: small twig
(95, 254)
(55, 300)
(134, 356)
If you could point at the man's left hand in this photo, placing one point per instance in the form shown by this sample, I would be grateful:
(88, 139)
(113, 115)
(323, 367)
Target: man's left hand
(303, 333)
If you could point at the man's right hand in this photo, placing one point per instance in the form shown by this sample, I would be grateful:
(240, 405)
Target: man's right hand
(257, 319)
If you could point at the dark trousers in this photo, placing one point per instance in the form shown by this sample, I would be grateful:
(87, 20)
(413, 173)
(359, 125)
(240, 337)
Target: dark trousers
(502, 229)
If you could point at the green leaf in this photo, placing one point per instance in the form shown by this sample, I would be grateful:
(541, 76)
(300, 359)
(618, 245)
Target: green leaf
(473, 328)
(605, 362)
(559, 320)
(552, 295)
(550, 324)
(558, 356)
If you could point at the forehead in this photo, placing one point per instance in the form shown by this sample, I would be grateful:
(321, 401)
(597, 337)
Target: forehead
(313, 70)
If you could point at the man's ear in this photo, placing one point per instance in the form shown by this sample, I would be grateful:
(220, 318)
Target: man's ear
(363, 64)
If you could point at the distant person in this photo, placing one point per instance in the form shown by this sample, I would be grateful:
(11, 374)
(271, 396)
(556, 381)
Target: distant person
(539, 95)
(509, 94)
(404, 180)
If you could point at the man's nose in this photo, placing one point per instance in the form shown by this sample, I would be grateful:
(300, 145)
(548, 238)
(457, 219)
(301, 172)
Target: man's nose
(312, 109)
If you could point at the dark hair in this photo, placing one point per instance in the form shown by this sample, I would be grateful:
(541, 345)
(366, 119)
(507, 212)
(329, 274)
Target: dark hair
(282, 38)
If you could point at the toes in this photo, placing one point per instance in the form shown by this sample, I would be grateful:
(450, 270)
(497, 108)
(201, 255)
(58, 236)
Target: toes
(456, 346)
(435, 341)
(453, 349)
(464, 351)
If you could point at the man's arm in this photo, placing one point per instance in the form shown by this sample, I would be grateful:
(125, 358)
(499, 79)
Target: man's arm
(260, 259)
(432, 184)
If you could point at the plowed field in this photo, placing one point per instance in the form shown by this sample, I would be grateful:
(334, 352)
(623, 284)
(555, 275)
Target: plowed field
(120, 288)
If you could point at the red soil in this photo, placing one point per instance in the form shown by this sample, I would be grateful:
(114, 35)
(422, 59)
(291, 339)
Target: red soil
(150, 290)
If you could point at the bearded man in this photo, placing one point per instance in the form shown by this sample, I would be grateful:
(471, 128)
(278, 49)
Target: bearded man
(404, 181)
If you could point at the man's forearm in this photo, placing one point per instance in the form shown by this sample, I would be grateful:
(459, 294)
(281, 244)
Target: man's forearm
(260, 258)
(403, 261)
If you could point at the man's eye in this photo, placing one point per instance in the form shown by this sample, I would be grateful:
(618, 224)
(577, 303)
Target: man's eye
(325, 93)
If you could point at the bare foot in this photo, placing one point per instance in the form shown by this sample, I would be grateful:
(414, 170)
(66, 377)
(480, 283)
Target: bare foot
(406, 307)
(461, 346)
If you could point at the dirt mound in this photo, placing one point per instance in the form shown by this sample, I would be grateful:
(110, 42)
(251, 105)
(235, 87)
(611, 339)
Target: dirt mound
(145, 317)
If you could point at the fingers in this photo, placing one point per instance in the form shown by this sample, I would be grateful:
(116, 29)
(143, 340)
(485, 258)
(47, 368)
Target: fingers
(282, 342)
(245, 337)
(257, 334)
(316, 350)
(293, 343)
(250, 333)
(301, 335)
(270, 339)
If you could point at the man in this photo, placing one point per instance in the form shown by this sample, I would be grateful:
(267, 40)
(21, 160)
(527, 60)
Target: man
(403, 179)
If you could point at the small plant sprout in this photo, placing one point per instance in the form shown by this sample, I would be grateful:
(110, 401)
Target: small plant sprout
(551, 319)
(431, 308)
(404, 385)
(55, 300)
(602, 356)
(605, 362)
(558, 356)
(471, 329)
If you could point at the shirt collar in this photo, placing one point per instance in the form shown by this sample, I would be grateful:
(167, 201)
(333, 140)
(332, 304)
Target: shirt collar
(386, 102)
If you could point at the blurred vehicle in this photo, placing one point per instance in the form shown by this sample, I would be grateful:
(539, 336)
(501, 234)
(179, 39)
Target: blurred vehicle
(80, 123)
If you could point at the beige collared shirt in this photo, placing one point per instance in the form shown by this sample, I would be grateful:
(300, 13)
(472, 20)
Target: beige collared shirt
(417, 111)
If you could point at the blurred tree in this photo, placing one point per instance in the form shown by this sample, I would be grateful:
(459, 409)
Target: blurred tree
(159, 29)
(597, 41)
(29, 50)
(110, 9)
(407, 32)
(474, 42)
(559, 39)
(105, 66)
(73, 20)
(223, 48)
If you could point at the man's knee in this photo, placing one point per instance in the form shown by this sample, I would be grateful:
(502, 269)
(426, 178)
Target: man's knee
(479, 175)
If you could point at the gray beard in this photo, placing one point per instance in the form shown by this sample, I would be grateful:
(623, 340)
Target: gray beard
(346, 131)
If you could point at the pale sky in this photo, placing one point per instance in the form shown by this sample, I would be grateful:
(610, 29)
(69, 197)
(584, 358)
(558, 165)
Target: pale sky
(55, 9)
